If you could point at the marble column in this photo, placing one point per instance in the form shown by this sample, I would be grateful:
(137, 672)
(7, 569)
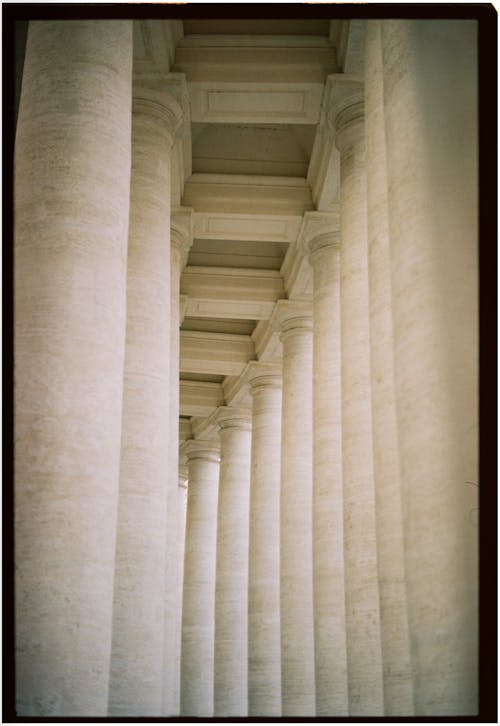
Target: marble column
(364, 655)
(323, 244)
(264, 652)
(198, 609)
(297, 622)
(136, 682)
(181, 237)
(231, 584)
(398, 687)
(71, 195)
(430, 113)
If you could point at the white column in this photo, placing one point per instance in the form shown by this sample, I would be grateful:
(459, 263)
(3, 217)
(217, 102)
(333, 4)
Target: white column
(136, 683)
(364, 655)
(71, 193)
(198, 609)
(430, 111)
(398, 687)
(297, 622)
(181, 238)
(231, 588)
(264, 653)
(323, 243)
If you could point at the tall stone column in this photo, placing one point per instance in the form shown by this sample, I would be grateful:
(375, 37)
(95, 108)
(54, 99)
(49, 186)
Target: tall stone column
(364, 655)
(136, 683)
(398, 686)
(430, 87)
(198, 609)
(264, 653)
(231, 588)
(181, 237)
(297, 621)
(322, 241)
(72, 177)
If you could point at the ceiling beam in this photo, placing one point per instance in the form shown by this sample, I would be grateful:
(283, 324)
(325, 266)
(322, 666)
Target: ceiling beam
(198, 398)
(220, 353)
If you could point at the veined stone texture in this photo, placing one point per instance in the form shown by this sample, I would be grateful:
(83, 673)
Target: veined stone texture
(72, 175)
(364, 656)
(398, 688)
(264, 655)
(231, 585)
(198, 609)
(136, 683)
(297, 619)
(433, 215)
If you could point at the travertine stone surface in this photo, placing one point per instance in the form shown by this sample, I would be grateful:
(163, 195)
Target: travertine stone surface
(398, 685)
(180, 242)
(328, 529)
(297, 622)
(198, 610)
(136, 683)
(264, 656)
(430, 111)
(231, 584)
(72, 176)
(364, 654)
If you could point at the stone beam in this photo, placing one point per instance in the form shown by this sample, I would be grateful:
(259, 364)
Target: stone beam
(248, 194)
(222, 292)
(219, 353)
(246, 227)
(198, 398)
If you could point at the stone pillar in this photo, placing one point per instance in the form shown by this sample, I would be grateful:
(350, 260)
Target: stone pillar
(231, 588)
(264, 654)
(181, 237)
(136, 683)
(322, 240)
(430, 88)
(198, 609)
(364, 654)
(72, 177)
(297, 622)
(398, 688)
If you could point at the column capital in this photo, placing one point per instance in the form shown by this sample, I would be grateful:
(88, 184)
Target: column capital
(292, 316)
(152, 99)
(345, 108)
(227, 417)
(181, 232)
(319, 230)
(199, 449)
(264, 375)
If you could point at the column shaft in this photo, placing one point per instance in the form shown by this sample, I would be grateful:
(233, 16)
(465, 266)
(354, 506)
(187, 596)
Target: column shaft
(136, 684)
(72, 176)
(173, 594)
(398, 688)
(430, 86)
(198, 610)
(264, 656)
(297, 622)
(231, 590)
(362, 597)
(328, 529)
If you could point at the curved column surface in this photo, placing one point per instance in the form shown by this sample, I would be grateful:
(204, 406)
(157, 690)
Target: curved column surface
(231, 584)
(72, 177)
(328, 529)
(430, 85)
(136, 683)
(398, 686)
(364, 654)
(297, 622)
(264, 653)
(180, 241)
(198, 610)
